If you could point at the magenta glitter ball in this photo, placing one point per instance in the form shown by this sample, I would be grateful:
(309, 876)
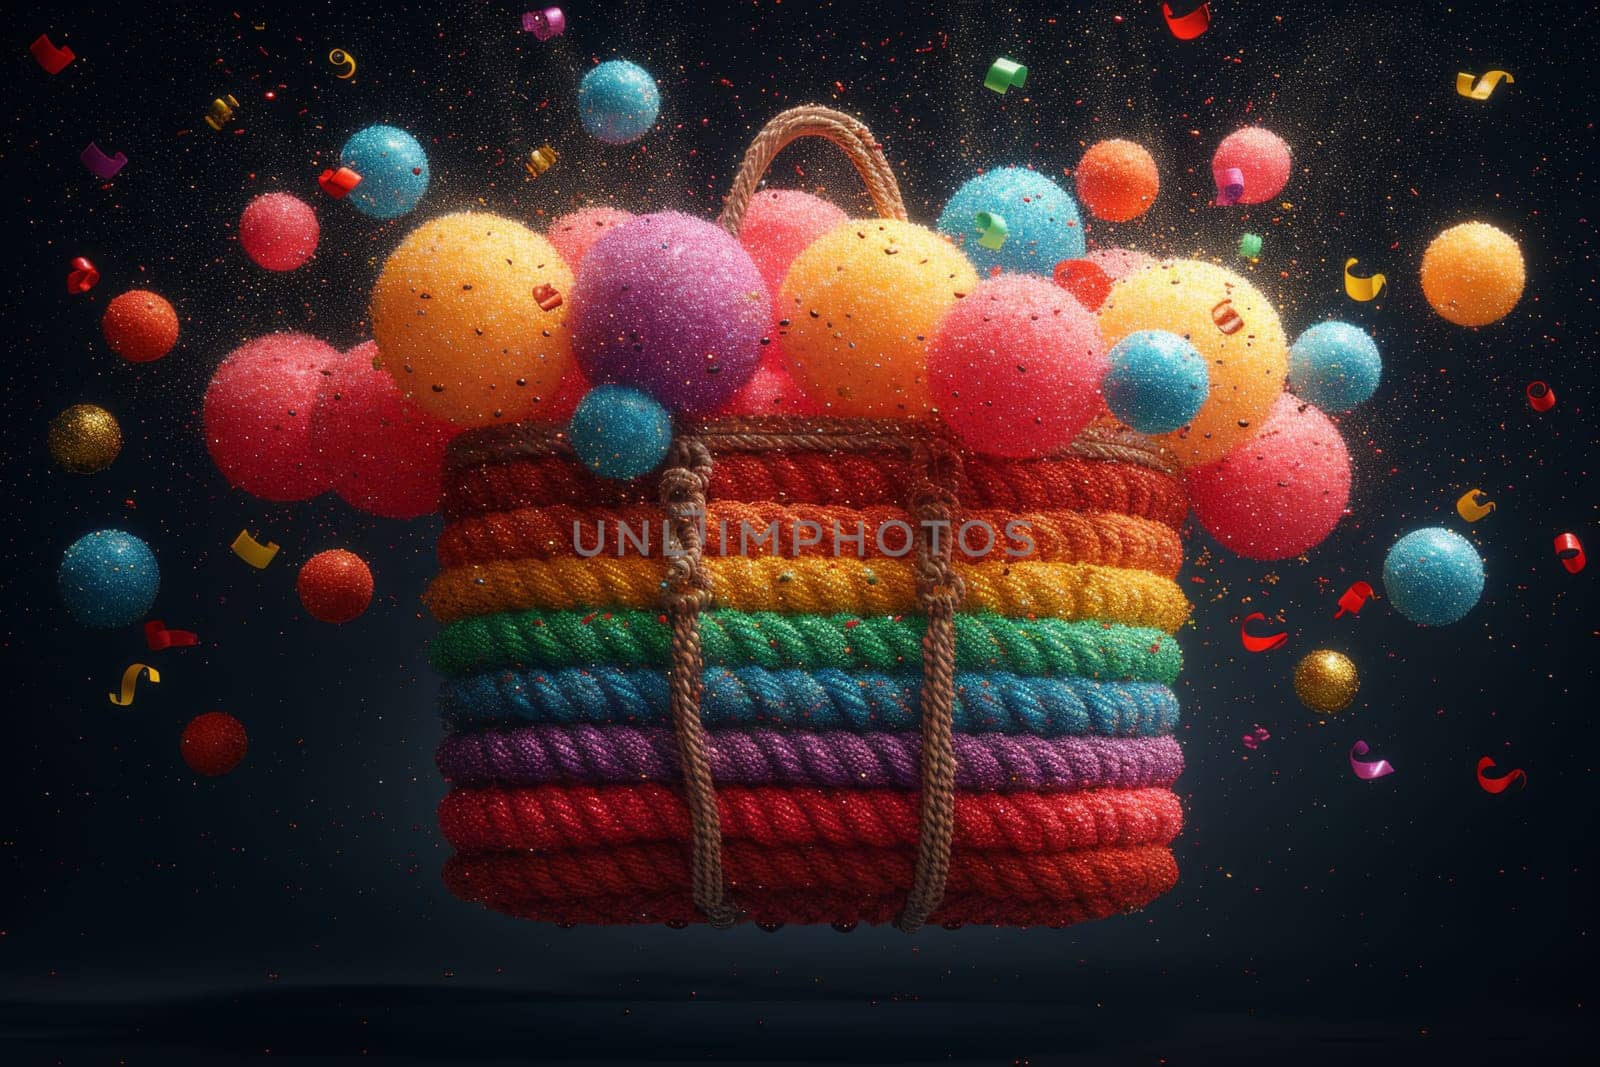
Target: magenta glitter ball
(1118, 263)
(1015, 368)
(386, 454)
(258, 416)
(574, 234)
(779, 224)
(672, 305)
(1261, 156)
(1280, 492)
(279, 231)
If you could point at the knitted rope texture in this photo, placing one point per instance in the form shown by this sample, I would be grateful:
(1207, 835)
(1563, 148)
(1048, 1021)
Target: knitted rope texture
(851, 480)
(822, 699)
(515, 593)
(532, 755)
(551, 818)
(1077, 591)
(1107, 878)
(772, 909)
(638, 638)
(556, 532)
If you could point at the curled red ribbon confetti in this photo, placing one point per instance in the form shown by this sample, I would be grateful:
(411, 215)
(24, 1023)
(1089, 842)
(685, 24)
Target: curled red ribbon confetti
(1499, 785)
(1569, 550)
(1353, 599)
(547, 296)
(1540, 396)
(82, 277)
(1259, 644)
(1226, 318)
(158, 637)
(1367, 770)
(1188, 27)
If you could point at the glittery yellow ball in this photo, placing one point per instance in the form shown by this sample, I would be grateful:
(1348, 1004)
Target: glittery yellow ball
(1326, 680)
(85, 438)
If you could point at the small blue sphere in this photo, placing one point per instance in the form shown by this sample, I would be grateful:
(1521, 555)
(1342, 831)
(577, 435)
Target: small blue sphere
(1335, 366)
(1433, 576)
(1157, 382)
(108, 578)
(619, 432)
(393, 169)
(618, 101)
(1041, 221)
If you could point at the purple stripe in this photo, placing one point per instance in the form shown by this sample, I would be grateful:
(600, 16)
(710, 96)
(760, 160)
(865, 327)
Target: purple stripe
(528, 755)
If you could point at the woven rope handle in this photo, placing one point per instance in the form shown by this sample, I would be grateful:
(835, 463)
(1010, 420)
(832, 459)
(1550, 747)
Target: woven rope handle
(813, 120)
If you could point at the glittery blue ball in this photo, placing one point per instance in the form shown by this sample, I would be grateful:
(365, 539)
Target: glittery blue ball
(109, 578)
(1157, 382)
(1335, 366)
(393, 169)
(619, 432)
(1433, 576)
(1041, 220)
(618, 101)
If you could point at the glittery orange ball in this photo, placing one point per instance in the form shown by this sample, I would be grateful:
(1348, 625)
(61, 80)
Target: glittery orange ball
(1472, 274)
(335, 586)
(85, 438)
(1117, 180)
(1326, 680)
(140, 326)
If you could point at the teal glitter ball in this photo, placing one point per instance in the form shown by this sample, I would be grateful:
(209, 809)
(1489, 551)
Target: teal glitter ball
(1433, 576)
(393, 169)
(1158, 381)
(108, 579)
(618, 101)
(1042, 223)
(1335, 366)
(620, 433)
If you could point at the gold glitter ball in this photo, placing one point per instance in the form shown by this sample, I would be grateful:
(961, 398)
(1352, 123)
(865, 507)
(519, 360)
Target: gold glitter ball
(85, 438)
(1326, 680)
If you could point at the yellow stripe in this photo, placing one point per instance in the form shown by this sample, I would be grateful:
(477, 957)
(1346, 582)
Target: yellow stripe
(1077, 591)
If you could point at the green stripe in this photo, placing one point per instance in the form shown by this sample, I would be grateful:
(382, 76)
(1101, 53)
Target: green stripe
(634, 638)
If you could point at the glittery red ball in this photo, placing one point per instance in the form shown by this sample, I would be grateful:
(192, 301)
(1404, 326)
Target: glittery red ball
(213, 743)
(335, 586)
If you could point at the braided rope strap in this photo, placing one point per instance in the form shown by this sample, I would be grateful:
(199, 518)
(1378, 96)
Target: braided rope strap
(685, 593)
(939, 590)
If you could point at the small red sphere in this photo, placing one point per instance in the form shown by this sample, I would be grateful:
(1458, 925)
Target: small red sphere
(213, 743)
(140, 326)
(335, 586)
(279, 231)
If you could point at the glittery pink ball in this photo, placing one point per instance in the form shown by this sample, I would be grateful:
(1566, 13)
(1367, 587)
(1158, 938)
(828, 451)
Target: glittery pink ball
(258, 416)
(385, 453)
(1118, 263)
(1261, 156)
(1280, 492)
(279, 231)
(770, 391)
(1015, 368)
(672, 305)
(779, 224)
(574, 234)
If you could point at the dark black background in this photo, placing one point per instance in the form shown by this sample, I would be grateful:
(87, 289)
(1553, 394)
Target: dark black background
(294, 906)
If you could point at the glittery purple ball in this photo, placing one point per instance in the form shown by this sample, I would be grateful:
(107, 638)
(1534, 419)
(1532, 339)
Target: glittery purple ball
(672, 305)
